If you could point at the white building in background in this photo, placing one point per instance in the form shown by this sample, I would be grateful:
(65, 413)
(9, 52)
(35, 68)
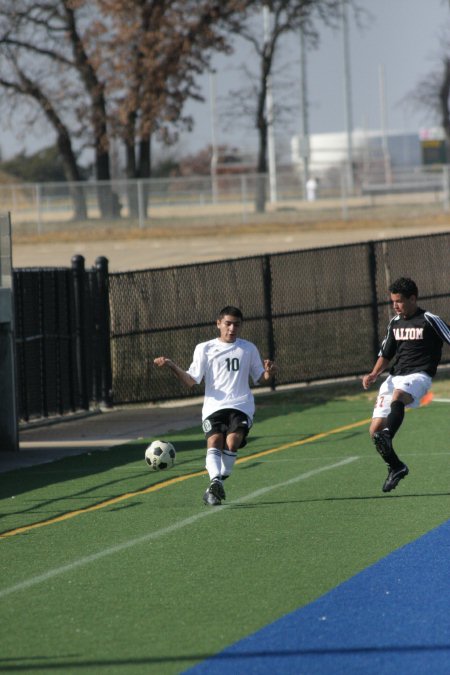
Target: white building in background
(372, 151)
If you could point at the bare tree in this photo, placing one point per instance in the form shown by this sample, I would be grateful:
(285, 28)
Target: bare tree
(112, 68)
(45, 60)
(155, 50)
(432, 94)
(286, 16)
(21, 85)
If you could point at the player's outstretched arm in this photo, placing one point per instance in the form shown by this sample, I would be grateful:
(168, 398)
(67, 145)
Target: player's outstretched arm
(270, 370)
(182, 375)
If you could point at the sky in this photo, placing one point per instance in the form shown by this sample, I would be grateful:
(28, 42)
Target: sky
(401, 38)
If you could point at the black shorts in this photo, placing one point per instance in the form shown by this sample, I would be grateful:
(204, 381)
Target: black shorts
(226, 422)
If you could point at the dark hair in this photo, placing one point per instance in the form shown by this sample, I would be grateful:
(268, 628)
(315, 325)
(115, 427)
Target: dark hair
(229, 310)
(405, 287)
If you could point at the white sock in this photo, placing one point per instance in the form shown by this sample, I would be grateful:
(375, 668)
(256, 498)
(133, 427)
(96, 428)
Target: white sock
(228, 460)
(213, 463)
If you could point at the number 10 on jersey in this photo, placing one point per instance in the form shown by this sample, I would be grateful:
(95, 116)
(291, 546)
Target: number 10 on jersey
(232, 364)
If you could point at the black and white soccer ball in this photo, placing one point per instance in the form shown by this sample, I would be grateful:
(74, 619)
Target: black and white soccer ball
(160, 455)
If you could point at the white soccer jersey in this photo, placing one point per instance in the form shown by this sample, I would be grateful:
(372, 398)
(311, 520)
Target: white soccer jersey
(226, 368)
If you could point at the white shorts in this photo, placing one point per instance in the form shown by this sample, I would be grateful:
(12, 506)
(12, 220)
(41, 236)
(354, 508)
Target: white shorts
(416, 385)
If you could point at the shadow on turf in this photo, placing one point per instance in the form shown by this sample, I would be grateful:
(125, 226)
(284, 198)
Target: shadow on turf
(19, 481)
(270, 405)
(24, 665)
(22, 480)
(246, 505)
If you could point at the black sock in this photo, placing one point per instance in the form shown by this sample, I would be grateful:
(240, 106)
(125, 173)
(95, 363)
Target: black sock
(395, 417)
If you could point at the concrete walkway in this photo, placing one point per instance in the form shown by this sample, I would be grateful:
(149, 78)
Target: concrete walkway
(98, 431)
(137, 254)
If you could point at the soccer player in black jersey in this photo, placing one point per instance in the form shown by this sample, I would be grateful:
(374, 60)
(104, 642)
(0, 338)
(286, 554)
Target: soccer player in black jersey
(413, 346)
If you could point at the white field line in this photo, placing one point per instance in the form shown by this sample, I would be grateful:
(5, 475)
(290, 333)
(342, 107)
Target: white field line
(41, 578)
(441, 400)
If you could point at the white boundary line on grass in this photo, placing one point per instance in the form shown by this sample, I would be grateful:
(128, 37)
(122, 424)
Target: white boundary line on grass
(40, 578)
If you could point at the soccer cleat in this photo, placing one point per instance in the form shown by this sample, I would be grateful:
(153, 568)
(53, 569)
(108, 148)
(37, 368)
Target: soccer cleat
(210, 499)
(383, 444)
(394, 477)
(214, 494)
(217, 489)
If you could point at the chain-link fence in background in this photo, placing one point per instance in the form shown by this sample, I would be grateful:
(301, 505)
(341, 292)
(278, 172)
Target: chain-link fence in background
(86, 337)
(318, 313)
(230, 199)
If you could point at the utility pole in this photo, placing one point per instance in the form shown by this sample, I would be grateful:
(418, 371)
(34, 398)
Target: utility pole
(214, 149)
(384, 138)
(304, 118)
(347, 96)
(270, 126)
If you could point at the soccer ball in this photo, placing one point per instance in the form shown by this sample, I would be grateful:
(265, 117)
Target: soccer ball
(160, 455)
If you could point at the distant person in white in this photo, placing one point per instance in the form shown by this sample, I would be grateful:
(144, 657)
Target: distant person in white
(226, 364)
(311, 189)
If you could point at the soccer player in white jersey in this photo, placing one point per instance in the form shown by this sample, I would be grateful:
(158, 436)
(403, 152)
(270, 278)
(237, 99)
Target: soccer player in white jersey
(226, 364)
(413, 343)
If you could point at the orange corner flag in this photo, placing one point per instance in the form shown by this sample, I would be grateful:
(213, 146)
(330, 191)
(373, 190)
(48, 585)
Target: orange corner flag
(426, 400)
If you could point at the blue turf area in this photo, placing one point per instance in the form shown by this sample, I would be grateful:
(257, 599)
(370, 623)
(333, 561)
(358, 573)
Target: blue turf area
(394, 617)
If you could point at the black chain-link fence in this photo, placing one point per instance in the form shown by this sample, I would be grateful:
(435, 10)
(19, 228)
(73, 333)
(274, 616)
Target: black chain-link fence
(87, 337)
(318, 313)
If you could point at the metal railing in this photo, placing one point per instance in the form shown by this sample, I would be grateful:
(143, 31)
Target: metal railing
(236, 198)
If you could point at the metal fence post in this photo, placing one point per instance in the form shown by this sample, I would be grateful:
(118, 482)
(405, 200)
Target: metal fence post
(9, 436)
(42, 344)
(141, 210)
(78, 276)
(445, 188)
(20, 345)
(38, 207)
(267, 280)
(244, 197)
(344, 194)
(374, 303)
(102, 323)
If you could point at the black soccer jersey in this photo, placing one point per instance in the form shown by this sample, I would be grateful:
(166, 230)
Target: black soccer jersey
(416, 343)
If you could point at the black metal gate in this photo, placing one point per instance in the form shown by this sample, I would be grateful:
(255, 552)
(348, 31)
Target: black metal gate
(62, 338)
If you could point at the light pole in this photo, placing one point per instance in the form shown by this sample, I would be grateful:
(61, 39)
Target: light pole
(347, 95)
(304, 119)
(270, 127)
(214, 149)
(384, 127)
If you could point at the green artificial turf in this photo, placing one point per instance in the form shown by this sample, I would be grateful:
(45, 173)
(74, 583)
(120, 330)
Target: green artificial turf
(156, 581)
